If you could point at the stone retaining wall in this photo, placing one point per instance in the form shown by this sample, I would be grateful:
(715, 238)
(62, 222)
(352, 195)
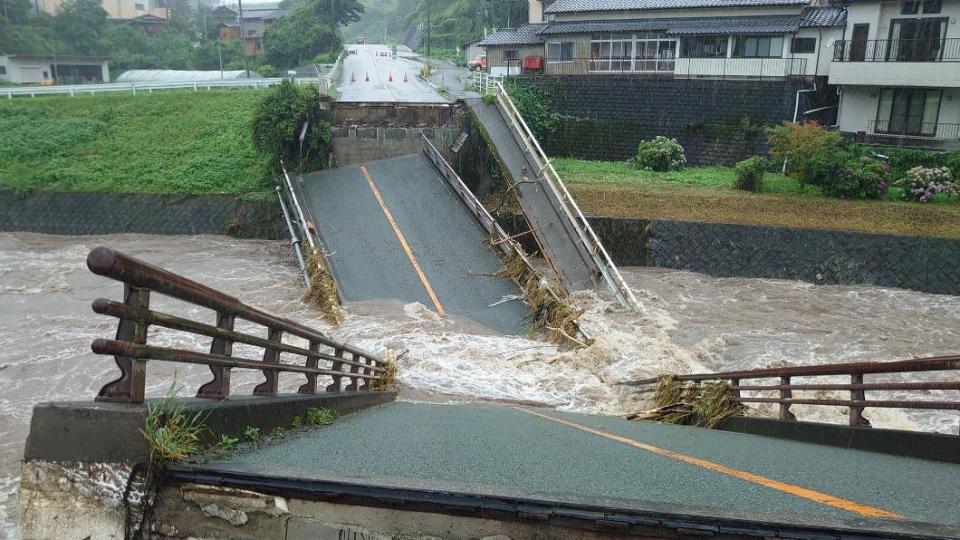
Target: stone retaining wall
(111, 213)
(817, 256)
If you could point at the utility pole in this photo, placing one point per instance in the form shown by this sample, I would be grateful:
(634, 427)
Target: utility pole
(428, 28)
(220, 56)
(243, 38)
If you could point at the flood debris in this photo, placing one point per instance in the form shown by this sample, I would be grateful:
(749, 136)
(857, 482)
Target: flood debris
(692, 403)
(323, 289)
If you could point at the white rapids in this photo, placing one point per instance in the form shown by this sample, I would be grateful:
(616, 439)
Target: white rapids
(690, 322)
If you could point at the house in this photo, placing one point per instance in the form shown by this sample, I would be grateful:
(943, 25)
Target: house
(49, 69)
(679, 38)
(471, 50)
(898, 72)
(256, 19)
(119, 10)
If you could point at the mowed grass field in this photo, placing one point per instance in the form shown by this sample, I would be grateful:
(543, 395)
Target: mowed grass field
(177, 142)
(706, 194)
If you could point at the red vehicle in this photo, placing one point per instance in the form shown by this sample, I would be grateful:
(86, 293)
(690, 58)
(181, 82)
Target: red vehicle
(479, 62)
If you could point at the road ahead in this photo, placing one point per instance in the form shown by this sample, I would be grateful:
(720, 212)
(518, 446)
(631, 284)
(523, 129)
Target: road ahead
(372, 75)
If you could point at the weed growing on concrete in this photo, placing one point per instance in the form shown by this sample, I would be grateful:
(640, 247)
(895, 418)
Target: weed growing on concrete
(323, 289)
(172, 433)
(278, 431)
(227, 443)
(489, 98)
(321, 417)
(251, 433)
(296, 423)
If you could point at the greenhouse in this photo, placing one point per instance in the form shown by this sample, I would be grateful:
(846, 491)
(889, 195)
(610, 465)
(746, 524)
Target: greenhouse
(172, 75)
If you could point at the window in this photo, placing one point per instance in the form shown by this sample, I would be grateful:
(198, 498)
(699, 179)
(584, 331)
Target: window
(3, 70)
(803, 45)
(916, 40)
(704, 47)
(138, 7)
(758, 47)
(511, 54)
(931, 7)
(560, 51)
(908, 111)
(910, 8)
(640, 52)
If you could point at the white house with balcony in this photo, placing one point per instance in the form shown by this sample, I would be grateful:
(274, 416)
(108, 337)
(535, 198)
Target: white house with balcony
(680, 38)
(898, 68)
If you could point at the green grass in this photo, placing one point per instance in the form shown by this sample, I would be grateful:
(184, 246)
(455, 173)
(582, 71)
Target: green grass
(186, 143)
(617, 189)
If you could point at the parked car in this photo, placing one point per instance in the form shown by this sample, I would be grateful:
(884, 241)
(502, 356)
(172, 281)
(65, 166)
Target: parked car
(361, 41)
(480, 62)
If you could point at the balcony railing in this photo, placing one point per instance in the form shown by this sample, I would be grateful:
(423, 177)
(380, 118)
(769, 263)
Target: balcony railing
(682, 67)
(907, 128)
(897, 50)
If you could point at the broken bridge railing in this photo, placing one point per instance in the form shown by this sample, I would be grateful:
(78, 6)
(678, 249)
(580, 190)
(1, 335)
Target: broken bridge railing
(857, 388)
(132, 352)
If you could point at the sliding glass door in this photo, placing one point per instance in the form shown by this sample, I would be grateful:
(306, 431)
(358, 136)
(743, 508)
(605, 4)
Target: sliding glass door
(908, 111)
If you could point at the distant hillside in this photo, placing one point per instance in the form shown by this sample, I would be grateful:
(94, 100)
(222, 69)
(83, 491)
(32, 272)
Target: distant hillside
(452, 21)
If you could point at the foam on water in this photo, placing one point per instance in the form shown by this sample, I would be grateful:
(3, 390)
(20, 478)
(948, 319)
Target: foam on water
(690, 322)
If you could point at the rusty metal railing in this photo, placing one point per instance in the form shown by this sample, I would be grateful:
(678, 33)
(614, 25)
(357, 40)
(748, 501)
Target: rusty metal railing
(857, 388)
(131, 350)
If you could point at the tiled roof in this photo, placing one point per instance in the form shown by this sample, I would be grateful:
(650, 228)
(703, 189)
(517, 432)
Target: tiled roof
(587, 6)
(814, 17)
(693, 25)
(523, 35)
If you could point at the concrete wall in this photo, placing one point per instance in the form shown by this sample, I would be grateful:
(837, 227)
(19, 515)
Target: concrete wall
(352, 145)
(615, 112)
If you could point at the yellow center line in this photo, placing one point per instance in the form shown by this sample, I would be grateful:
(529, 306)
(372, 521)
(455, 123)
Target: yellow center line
(403, 242)
(791, 489)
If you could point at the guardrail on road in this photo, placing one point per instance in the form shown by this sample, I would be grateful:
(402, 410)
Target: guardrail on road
(131, 351)
(322, 83)
(857, 401)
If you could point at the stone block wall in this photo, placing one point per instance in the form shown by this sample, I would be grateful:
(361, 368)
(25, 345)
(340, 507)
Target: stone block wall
(716, 121)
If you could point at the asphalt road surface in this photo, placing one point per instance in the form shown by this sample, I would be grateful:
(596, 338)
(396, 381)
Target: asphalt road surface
(548, 455)
(396, 230)
(371, 75)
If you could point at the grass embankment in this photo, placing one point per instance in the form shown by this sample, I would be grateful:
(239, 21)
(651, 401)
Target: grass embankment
(706, 194)
(187, 143)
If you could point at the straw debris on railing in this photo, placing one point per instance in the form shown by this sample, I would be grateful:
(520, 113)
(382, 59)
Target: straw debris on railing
(323, 289)
(704, 404)
(548, 313)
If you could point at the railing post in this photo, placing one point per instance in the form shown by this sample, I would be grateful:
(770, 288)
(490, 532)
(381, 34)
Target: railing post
(129, 388)
(856, 413)
(270, 356)
(735, 391)
(354, 370)
(365, 384)
(310, 387)
(786, 393)
(335, 386)
(219, 387)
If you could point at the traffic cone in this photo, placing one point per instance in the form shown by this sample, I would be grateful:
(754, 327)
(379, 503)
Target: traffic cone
(405, 77)
(353, 77)
(390, 78)
(367, 77)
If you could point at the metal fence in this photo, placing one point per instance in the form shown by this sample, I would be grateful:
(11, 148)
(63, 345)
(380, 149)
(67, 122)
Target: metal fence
(131, 350)
(323, 83)
(739, 68)
(897, 50)
(913, 128)
(857, 388)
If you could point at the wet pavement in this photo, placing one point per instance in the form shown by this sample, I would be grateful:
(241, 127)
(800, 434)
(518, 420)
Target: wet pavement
(372, 75)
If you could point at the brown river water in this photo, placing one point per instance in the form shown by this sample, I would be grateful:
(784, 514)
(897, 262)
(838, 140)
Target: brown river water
(690, 322)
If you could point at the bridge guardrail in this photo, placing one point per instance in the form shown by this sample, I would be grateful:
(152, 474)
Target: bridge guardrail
(131, 350)
(857, 388)
(585, 233)
(92, 89)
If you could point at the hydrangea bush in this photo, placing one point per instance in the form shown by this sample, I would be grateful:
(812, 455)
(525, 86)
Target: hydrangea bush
(863, 178)
(660, 154)
(922, 183)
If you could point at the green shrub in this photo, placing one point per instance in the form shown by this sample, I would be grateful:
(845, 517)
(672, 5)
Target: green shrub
(278, 120)
(921, 184)
(902, 160)
(321, 417)
(749, 174)
(798, 144)
(862, 178)
(660, 154)
(172, 433)
(252, 433)
(489, 98)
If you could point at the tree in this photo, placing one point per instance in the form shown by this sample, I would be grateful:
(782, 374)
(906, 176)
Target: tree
(310, 30)
(80, 26)
(14, 11)
(277, 122)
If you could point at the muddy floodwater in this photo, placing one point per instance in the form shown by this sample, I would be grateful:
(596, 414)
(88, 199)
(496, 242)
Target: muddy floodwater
(690, 322)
